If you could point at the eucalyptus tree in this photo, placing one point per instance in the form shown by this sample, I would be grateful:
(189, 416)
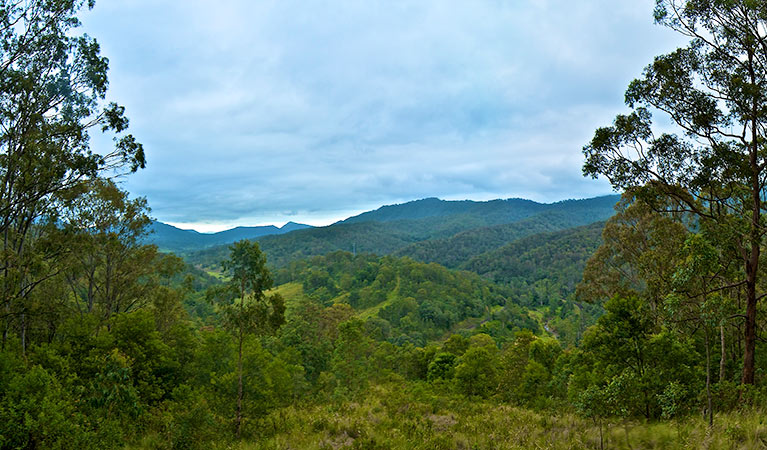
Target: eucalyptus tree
(696, 303)
(639, 253)
(53, 85)
(107, 255)
(714, 91)
(245, 306)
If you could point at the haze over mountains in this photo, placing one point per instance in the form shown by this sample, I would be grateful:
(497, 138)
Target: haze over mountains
(169, 238)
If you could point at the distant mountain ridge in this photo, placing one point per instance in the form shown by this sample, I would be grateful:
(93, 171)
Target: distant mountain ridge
(496, 211)
(429, 230)
(170, 238)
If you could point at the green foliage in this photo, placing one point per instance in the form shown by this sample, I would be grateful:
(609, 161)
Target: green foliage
(634, 362)
(350, 363)
(246, 308)
(414, 302)
(54, 84)
(154, 370)
(185, 422)
(477, 370)
(37, 412)
(442, 367)
(708, 88)
(456, 344)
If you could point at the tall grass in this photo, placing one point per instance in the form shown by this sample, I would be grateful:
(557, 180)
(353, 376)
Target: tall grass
(392, 417)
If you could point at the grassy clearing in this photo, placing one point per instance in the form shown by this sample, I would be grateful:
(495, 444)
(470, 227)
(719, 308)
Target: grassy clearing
(217, 274)
(389, 417)
(367, 313)
(291, 292)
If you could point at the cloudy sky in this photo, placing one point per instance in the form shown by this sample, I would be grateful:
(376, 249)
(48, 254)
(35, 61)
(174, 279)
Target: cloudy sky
(264, 111)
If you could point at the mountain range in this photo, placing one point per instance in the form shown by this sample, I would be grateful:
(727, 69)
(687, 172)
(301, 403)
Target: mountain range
(450, 233)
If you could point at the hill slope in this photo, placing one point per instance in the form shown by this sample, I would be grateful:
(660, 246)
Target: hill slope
(541, 269)
(404, 300)
(491, 212)
(461, 247)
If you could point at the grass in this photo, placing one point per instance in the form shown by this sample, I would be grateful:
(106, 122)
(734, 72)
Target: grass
(367, 313)
(416, 416)
(217, 274)
(291, 292)
(390, 417)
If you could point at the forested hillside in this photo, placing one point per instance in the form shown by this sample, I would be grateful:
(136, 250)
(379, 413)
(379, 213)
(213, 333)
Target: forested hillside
(559, 257)
(457, 250)
(407, 301)
(445, 232)
(489, 213)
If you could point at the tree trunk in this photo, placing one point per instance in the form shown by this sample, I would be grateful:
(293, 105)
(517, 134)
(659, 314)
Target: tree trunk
(752, 263)
(24, 335)
(708, 378)
(750, 331)
(722, 373)
(239, 361)
(601, 438)
(238, 420)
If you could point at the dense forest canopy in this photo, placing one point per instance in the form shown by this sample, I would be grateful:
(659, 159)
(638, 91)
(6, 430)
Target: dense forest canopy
(503, 324)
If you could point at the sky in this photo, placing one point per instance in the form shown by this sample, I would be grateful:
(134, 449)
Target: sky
(258, 112)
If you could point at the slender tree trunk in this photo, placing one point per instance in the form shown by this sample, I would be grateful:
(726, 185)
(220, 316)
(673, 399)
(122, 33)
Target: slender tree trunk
(6, 277)
(601, 438)
(626, 432)
(239, 388)
(752, 263)
(722, 373)
(6, 325)
(750, 325)
(24, 335)
(239, 362)
(739, 325)
(91, 281)
(708, 378)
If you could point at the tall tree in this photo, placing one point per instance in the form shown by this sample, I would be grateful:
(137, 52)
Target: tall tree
(639, 253)
(108, 258)
(53, 86)
(245, 305)
(714, 91)
(696, 302)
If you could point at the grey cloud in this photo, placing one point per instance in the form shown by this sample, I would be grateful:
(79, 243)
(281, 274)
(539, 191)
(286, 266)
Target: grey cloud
(284, 109)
